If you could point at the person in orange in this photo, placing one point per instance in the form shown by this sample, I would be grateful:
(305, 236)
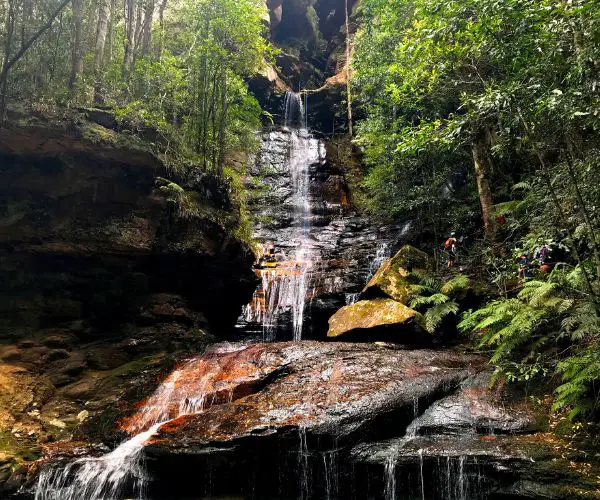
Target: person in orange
(450, 249)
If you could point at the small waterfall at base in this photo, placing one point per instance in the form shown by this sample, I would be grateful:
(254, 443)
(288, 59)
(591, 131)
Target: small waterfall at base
(286, 279)
(303, 465)
(190, 389)
(390, 478)
(383, 253)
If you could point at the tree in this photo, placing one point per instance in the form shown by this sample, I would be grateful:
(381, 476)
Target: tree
(77, 44)
(10, 58)
(101, 34)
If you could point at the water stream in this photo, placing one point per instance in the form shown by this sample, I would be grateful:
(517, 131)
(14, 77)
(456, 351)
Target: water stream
(282, 298)
(196, 385)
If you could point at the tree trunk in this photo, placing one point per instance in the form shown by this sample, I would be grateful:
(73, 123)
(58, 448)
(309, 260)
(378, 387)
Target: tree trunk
(76, 44)
(481, 161)
(129, 38)
(137, 34)
(10, 29)
(222, 125)
(161, 23)
(101, 29)
(111, 31)
(147, 29)
(348, 87)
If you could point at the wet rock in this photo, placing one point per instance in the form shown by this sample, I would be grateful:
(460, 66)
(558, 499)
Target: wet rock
(59, 340)
(342, 243)
(390, 278)
(331, 389)
(474, 467)
(107, 357)
(81, 390)
(321, 399)
(379, 319)
(11, 354)
(476, 408)
(56, 354)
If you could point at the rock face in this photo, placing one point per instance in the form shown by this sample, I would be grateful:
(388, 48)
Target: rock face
(85, 235)
(103, 282)
(390, 278)
(338, 420)
(344, 243)
(380, 319)
(475, 409)
(320, 398)
(473, 467)
(311, 38)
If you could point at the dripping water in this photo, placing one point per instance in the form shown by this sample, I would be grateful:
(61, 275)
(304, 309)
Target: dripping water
(422, 479)
(382, 253)
(390, 478)
(303, 465)
(331, 474)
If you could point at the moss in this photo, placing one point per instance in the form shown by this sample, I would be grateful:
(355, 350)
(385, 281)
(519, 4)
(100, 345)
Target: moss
(17, 451)
(392, 278)
(134, 367)
(368, 314)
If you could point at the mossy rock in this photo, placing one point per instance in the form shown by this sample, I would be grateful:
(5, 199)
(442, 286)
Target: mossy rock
(379, 319)
(390, 279)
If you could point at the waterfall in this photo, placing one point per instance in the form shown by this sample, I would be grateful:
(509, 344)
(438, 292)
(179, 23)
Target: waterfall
(382, 253)
(303, 465)
(197, 384)
(390, 478)
(421, 477)
(331, 474)
(286, 284)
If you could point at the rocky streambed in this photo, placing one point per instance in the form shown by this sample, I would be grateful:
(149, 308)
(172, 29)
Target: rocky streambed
(339, 420)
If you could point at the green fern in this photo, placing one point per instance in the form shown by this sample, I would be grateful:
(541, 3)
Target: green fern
(457, 284)
(581, 373)
(529, 325)
(435, 298)
(434, 316)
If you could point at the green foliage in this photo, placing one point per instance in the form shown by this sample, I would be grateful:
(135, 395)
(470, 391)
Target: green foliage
(189, 86)
(544, 317)
(432, 74)
(434, 298)
(518, 79)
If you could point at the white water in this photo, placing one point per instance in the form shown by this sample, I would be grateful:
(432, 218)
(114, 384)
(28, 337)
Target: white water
(390, 478)
(383, 253)
(303, 466)
(98, 478)
(286, 288)
(186, 391)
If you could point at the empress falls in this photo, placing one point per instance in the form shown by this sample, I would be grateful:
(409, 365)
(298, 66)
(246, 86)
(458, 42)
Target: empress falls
(279, 412)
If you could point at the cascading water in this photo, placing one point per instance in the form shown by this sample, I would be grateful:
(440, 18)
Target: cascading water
(383, 253)
(286, 280)
(197, 384)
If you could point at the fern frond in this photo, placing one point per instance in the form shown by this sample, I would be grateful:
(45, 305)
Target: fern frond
(457, 284)
(435, 315)
(521, 186)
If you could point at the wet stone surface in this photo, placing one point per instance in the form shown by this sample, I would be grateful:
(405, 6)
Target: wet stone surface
(341, 243)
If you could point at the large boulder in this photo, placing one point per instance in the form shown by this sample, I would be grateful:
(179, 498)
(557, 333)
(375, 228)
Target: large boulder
(310, 401)
(379, 319)
(476, 408)
(390, 279)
